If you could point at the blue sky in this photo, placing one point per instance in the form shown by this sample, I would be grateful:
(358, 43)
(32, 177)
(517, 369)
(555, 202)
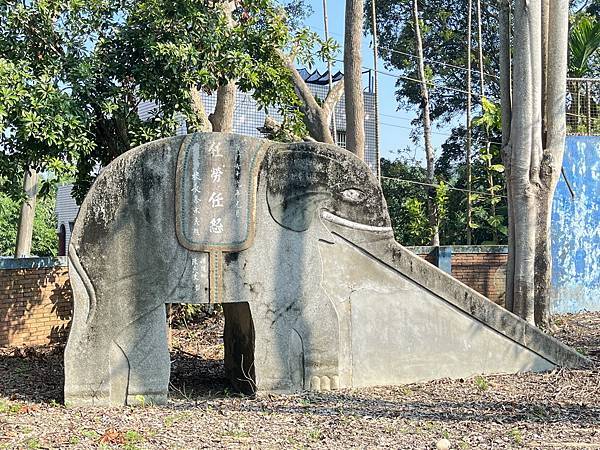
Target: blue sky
(395, 125)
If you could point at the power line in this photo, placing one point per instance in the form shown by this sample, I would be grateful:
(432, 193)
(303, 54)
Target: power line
(433, 132)
(412, 128)
(402, 180)
(427, 60)
(396, 117)
(431, 61)
(431, 83)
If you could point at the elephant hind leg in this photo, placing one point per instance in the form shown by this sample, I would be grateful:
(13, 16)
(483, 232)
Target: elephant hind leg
(239, 339)
(140, 362)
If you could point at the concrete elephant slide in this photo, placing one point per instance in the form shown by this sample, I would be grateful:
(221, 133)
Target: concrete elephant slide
(295, 241)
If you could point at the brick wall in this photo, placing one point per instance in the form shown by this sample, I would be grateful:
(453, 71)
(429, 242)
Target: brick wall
(36, 298)
(35, 301)
(480, 267)
(484, 272)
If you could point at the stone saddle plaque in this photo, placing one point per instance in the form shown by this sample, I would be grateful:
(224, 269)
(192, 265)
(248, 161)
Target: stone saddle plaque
(216, 193)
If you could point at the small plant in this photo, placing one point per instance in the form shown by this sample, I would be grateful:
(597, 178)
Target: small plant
(90, 434)
(481, 383)
(74, 440)
(140, 400)
(517, 436)
(12, 408)
(131, 438)
(169, 421)
(463, 445)
(237, 434)
(33, 443)
(406, 391)
(315, 435)
(304, 401)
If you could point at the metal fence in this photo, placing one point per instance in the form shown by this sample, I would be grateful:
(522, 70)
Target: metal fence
(583, 106)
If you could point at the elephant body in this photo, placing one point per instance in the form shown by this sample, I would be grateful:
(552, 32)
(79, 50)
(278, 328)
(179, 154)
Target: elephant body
(295, 241)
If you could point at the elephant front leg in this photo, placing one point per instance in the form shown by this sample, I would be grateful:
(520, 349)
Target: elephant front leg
(296, 348)
(319, 328)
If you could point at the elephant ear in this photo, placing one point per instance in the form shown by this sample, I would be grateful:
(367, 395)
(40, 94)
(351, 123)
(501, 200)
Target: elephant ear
(296, 187)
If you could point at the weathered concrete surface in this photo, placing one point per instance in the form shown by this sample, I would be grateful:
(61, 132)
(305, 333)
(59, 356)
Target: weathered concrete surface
(317, 294)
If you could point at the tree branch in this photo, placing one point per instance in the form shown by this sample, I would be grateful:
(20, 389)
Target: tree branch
(334, 95)
(200, 121)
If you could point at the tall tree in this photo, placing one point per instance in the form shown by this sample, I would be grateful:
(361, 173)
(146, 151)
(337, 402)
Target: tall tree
(355, 107)
(425, 112)
(25, 229)
(534, 152)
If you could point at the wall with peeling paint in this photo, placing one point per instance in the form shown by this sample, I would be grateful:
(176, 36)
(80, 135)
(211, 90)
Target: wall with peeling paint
(576, 229)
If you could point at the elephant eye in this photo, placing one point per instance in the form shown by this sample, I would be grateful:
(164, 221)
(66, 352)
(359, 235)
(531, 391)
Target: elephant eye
(353, 195)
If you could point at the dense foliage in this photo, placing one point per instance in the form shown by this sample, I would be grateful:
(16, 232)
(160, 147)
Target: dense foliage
(72, 74)
(407, 205)
(45, 239)
(444, 29)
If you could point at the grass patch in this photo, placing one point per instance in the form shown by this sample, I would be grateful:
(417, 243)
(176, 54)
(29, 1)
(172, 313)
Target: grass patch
(481, 383)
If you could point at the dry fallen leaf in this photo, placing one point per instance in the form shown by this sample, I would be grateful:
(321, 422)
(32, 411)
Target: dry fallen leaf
(112, 436)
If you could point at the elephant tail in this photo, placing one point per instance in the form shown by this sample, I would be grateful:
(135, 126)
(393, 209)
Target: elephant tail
(81, 284)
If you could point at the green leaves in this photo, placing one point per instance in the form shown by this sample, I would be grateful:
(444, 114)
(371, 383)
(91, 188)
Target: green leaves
(45, 241)
(72, 74)
(491, 119)
(584, 41)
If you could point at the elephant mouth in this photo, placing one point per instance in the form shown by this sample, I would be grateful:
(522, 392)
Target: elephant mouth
(353, 225)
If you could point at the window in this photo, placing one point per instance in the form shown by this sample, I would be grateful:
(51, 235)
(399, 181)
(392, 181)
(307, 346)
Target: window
(341, 138)
(62, 241)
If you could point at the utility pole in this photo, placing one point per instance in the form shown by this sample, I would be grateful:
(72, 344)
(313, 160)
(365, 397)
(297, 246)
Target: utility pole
(376, 86)
(326, 25)
(469, 175)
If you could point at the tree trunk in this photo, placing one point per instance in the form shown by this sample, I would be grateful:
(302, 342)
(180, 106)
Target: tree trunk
(526, 139)
(329, 74)
(25, 230)
(316, 117)
(200, 120)
(431, 204)
(506, 106)
(533, 156)
(222, 118)
(355, 108)
(555, 106)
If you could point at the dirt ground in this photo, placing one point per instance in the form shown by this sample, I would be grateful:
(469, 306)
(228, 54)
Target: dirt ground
(559, 409)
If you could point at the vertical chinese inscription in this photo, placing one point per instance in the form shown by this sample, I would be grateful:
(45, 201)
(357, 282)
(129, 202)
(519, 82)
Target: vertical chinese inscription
(216, 191)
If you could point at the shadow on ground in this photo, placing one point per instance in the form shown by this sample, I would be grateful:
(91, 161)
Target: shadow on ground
(36, 374)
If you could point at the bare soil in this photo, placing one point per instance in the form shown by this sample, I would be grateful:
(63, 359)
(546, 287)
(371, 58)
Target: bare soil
(558, 409)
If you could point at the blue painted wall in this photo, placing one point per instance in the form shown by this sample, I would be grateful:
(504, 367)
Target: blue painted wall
(576, 229)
